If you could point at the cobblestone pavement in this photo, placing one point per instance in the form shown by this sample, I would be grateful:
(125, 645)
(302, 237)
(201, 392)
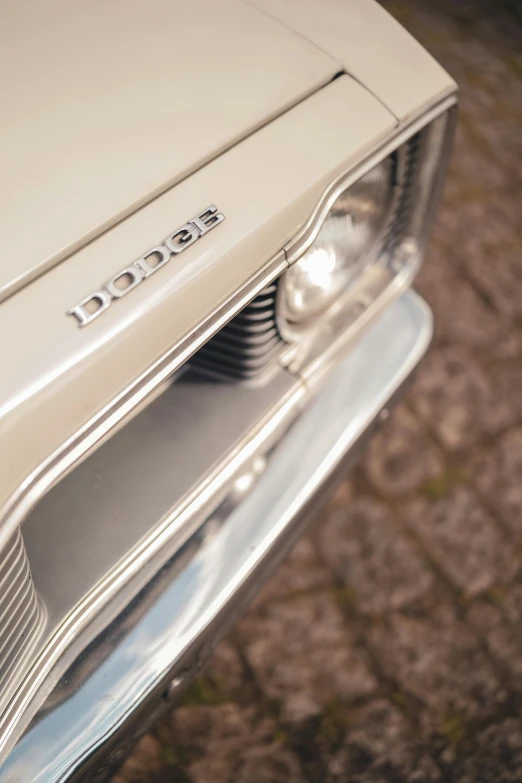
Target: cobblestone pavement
(388, 647)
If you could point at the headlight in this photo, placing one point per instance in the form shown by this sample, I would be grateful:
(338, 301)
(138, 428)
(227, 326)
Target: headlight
(341, 249)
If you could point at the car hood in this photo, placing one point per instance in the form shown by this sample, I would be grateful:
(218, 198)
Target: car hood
(108, 103)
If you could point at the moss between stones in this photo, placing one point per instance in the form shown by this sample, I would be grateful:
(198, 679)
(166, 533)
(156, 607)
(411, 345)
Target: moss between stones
(174, 757)
(457, 730)
(495, 594)
(333, 725)
(345, 597)
(205, 691)
(439, 487)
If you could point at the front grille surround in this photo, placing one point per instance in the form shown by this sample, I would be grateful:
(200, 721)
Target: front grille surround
(115, 413)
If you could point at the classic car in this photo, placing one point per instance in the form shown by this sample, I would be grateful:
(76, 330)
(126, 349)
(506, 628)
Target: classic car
(212, 215)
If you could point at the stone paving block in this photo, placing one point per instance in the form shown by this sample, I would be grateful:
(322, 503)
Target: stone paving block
(498, 274)
(497, 474)
(502, 639)
(480, 241)
(512, 606)
(508, 206)
(494, 755)
(498, 75)
(379, 744)
(462, 317)
(301, 572)
(464, 540)
(508, 377)
(303, 655)
(477, 106)
(400, 458)
(231, 743)
(432, 27)
(458, 400)
(226, 670)
(488, 118)
(380, 569)
(344, 493)
(434, 657)
(477, 165)
(146, 765)
(499, 132)
(272, 764)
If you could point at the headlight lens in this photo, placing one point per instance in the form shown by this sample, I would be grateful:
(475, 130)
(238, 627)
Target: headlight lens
(341, 248)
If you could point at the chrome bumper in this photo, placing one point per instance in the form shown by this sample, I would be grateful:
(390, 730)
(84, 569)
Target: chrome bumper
(144, 658)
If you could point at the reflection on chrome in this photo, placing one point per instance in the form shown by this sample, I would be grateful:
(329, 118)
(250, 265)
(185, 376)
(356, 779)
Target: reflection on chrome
(179, 615)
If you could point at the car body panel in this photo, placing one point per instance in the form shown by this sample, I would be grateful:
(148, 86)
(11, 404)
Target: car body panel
(362, 36)
(125, 120)
(106, 104)
(66, 374)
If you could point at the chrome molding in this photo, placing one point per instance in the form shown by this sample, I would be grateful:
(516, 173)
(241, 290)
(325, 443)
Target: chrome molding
(100, 427)
(93, 433)
(170, 534)
(77, 449)
(294, 333)
(302, 241)
(390, 269)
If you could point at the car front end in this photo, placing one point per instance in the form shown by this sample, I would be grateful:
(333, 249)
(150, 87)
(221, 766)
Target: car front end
(214, 216)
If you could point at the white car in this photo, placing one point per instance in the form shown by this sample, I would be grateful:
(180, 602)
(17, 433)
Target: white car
(211, 217)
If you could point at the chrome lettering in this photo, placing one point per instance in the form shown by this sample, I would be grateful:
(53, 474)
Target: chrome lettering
(84, 314)
(96, 303)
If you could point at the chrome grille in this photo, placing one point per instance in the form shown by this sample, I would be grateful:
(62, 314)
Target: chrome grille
(398, 221)
(249, 346)
(19, 607)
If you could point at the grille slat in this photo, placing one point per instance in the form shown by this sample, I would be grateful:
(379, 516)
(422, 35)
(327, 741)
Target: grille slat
(253, 328)
(19, 579)
(18, 610)
(11, 656)
(256, 316)
(254, 340)
(249, 346)
(248, 360)
(398, 221)
(19, 607)
(257, 348)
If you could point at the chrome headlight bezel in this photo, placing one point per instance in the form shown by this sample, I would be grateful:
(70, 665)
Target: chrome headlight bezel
(292, 329)
(394, 257)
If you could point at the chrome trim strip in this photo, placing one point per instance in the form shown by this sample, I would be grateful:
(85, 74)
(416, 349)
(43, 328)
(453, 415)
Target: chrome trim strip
(92, 433)
(302, 241)
(77, 449)
(100, 427)
(296, 333)
(179, 623)
(166, 537)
